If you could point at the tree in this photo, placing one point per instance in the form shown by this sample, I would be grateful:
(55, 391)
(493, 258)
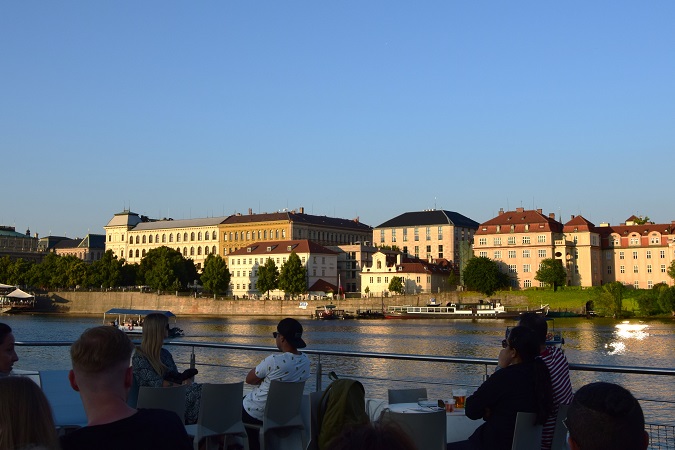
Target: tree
(164, 268)
(667, 299)
(648, 301)
(671, 270)
(396, 285)
(610, 297)
(552, 272)
(216, 275)
(268, 277)
(483, 275)
(106, 272)
(293, 276)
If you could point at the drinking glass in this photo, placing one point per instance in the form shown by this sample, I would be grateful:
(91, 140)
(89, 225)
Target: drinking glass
(460, 397)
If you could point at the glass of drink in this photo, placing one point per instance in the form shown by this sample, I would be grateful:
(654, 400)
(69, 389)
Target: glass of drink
(460, 397)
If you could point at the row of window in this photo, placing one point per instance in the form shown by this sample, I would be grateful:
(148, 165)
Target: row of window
(648, 254)
(636, 269)
(511, 240)
(261, 261)
(497, 254)
(439, 234)
(654, 239)
(192, 250)
(152, 239)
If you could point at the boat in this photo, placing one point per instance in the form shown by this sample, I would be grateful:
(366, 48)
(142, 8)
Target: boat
(131, 320)
(369, 314)
(482, 310)
(330, 312)
(16, 301)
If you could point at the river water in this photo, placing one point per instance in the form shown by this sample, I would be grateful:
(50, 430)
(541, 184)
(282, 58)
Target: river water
(596, 341)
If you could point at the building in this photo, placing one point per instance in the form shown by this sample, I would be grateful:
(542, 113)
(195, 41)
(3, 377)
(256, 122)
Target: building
(240, 230)
(89, 249)
(418, 276)
(19, 245)
(320, 263)
(633, 253)
(131, 236)
(351, 259)
(435, 234)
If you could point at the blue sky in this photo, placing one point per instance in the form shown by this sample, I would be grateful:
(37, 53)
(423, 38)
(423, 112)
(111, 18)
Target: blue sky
(350, 108)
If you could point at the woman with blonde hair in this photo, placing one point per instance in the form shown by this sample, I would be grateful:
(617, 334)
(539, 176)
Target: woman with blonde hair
(25, 416)
(154, 366)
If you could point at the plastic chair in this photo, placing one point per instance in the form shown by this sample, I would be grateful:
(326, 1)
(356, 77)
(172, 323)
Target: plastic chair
(282, 427)
(406, 395)
(426, 429)
(560, 432)
(169, 398)
(132, 396)
(219, 413)
(314, 404)
(66, 403)
(526, 435)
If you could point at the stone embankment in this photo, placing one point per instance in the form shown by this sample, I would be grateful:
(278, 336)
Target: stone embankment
(99, 302)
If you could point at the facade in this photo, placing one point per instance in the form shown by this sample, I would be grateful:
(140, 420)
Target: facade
(241, 230)
(131, 236)
(89, 249)
(435, 234)
(351, 258)
(418, 276)
(634, 254)
(320, 263)
(19, 245)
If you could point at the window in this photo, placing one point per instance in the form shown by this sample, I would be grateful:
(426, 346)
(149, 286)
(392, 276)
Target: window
(192, 251)
(609, 270)
(417, 234)
(650, 284)
(634, 241)
(482, 254)
(381, 236)
(199, 236)
(663, 268)
(635, 255)
(512, 253)
(527, 268)
(163, 238)
(621, 255)
(417, 251)
(428, 233)
(405, 234)
(635, 269)
(541, 253)
(393, 235)
(512, 268)
(654, 239)
(185, 237)
(428, 249)
(440, 233)
(440, 251)
(512, 240)
(527, 283)
(482, 241)
(662, 254)
(636, 285)
(497, 241)
(526, 239)
(526, 253)
(150, 239)
(498, 254)
(541, 238)
(649, 254)
(649, 268)
(192, 236)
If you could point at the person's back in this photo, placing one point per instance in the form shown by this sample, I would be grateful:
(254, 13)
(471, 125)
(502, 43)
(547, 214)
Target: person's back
(102, 374)
(606, 416)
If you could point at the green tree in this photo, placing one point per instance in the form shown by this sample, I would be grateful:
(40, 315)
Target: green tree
(483, 275)
(268, 277)
(293, 276)
(164, 268)
(610, 297)
(43, 275)
(129, 274)
(667, 299)
(106, 272)
(648, 301)
(396, 285)
(18, 272)
(216, 275)
(551, 272)
(671, 270)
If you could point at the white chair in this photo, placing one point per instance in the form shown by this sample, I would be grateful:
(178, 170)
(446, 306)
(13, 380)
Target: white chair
(314, 404)
(526, 435)
(426, 429)
(65, 401)
(406, 395)
(168, 398)
(282, 427)
(560, 433)
(219, 413)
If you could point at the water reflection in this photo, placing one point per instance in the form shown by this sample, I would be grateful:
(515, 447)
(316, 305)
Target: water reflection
(626, 330)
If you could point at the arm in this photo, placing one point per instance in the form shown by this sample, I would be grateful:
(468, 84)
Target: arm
(252, 378)
(257, 375)
(478, 404)
(144, 374)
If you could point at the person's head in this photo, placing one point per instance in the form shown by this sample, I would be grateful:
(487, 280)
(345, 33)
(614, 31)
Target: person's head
(101, 359)
(520, 346)
(537, 323)
(606, 416)
(7, 353)
(289, 335)
(372, 436)
(25, 415)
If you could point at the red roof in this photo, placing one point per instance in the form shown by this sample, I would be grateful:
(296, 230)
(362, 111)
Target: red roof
(515, 221)
(282, 247)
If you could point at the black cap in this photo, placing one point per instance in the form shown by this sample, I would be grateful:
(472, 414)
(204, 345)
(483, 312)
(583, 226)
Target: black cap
(291, 330)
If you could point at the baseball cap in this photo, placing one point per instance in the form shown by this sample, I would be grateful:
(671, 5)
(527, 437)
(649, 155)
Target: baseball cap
(291, 330)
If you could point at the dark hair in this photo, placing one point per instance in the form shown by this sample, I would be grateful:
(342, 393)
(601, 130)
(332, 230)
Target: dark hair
(535, 322)
(524, 341)
(4, 331)
(100, 348)
(372, 436)
(606, 416)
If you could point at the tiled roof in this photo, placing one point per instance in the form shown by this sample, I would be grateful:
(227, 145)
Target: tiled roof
(431, 217)
(282, 247)
(290, 216)
(323, 286)
(182, 223)
(519, 219)
(643, 230)
(124, 218)
(579, 223)
(68, 243)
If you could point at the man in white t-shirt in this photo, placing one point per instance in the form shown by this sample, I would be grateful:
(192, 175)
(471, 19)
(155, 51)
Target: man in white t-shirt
(288, 366)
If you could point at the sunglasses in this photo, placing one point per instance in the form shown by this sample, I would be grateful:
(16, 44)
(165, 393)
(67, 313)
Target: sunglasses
(504, 343)
(275, 334)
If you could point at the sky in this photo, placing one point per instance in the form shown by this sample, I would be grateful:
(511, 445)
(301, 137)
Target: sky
(349, 109)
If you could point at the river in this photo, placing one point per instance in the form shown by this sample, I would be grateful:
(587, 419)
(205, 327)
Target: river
(597, 341)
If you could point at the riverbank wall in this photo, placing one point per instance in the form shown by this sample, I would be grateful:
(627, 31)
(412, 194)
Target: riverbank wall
(80, 302)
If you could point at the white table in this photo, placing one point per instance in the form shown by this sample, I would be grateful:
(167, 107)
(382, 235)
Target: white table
(459, 427)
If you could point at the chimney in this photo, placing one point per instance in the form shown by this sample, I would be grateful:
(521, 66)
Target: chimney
(302, 210)
(539, 211)
(250, 211)
(356, 219)
(520, 209)
(501, 211)
(572, 217)
(551, 216)
(398, 259)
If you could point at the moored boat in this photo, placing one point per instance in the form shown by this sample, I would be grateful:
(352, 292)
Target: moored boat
(330, 312)
(483, 310)
(131, 320)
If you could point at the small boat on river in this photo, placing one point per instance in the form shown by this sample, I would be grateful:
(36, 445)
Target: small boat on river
(131, 320)
(330, 312)
(483, 310)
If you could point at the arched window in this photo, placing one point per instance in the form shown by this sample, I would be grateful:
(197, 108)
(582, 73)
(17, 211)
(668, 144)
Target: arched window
(199, 251)
(213, 250)
(206, 236)
(150, 239)
(136, 253)
(121, 253)
(185, 237)
(192, 251)
(137, 239)
(276, 234)
(192, 236)
(248, 235)
(144, 239)
(157, 238)
(379, 264)
(206, 250)
(199, 236)
(143, 253)
(214, 236)
(163, 238)
(184, 251)
(177, 237)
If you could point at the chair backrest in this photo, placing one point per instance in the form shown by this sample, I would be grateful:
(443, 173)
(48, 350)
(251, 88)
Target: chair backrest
(314, 402)
(220, 408)
(282, 408)
(560, 432)
(66, 403)
(526, 435)
(132, 396)
(406, 395)
(169, 398)
(426, 429)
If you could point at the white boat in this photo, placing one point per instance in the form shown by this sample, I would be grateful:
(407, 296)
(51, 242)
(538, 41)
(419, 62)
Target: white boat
(485, 310)
(131, 320)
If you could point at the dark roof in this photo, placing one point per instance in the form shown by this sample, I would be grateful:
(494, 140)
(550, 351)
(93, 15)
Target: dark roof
(290, 216)
(431, 217)
(282, 247)
(67, 243)
(93, 241)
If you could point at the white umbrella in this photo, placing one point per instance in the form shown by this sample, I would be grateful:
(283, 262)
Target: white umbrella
(18, 293)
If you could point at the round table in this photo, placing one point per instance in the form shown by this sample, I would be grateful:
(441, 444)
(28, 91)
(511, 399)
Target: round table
(459, 427)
